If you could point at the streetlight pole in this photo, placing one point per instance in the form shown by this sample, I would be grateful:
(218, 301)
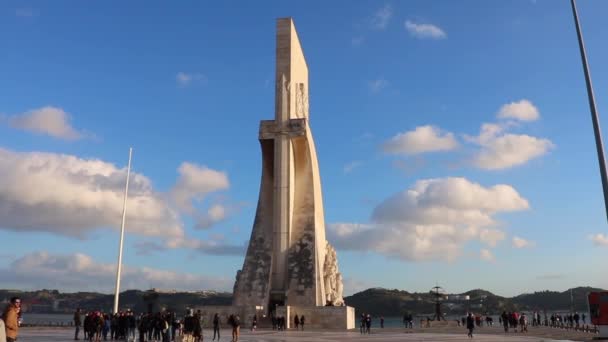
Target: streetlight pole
(594, 115)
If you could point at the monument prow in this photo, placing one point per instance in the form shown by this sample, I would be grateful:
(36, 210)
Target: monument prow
(289, 263)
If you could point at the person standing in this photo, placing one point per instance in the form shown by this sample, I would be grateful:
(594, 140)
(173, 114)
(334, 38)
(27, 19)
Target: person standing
(302, 321)
(381, 322)
(368, 324)
(11, 319)
(216, 326)
(198, 327)
(77, 323)
(2, 331)
(296, 321)
(470, 324)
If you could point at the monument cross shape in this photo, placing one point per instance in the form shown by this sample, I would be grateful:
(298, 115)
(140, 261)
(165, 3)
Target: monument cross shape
(289, 261)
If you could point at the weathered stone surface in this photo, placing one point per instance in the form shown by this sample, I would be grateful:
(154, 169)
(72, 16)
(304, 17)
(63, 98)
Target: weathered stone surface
(289, 262)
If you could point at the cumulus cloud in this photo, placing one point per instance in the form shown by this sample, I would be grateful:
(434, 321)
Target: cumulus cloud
(381, 18)
(195, 182)
(72, 196)
(500, 149)
(522, 110)
(80, 272)
(213, 246)
(216, 213)
(486, 254)
(599, 239)
(519, 243)
(432, 220)
(424, 31)
(47, 120)
(378, 85)
(422, 139)
(511, 150)
(185, 79)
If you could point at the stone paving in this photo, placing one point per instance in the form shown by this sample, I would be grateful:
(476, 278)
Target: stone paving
(65, 335)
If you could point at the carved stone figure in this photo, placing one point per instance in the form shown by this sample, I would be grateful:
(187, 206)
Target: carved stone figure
(332, 277)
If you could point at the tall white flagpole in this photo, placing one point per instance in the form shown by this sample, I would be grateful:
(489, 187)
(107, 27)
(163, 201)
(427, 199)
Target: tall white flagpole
(122, 234)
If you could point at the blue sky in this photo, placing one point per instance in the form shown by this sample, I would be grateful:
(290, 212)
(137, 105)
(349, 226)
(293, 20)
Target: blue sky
(399, 92)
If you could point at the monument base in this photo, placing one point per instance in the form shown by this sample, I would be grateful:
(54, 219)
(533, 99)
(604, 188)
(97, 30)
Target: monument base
(320, 317)
(317, 317)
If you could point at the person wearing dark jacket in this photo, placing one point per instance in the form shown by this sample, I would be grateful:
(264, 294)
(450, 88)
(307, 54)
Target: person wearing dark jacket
(77, 323)
(216, 326)
(470, 324)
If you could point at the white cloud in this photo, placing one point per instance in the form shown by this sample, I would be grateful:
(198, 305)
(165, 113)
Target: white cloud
(510, 150)
(500, 149)
(522, 110)
(432, 220)
(184, 79)
(381, 18)
(195, 183)
(518, 242)
(422, 139)
(47, 120)
(377, 85)
(491, 237)
(80, 272)
(72, 196)
(486, 254)
(599, 239)
(348, 168)
(424, 31)
(216, 213)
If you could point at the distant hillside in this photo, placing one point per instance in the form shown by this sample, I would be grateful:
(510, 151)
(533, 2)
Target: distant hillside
(47, 301)
(376, 301)
(383, 302)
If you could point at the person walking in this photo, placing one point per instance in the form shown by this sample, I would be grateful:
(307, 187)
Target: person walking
(362, 324)
(381, 322)
(10, 316)
(302, 320)
(216, 326)
(296, 321)
(505, 321)
(235, 322)
(254, 323)
(77, 323)
(470, 324)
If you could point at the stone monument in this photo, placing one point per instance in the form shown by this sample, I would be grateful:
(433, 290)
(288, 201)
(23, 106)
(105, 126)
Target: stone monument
(289, 262)
(290, 268)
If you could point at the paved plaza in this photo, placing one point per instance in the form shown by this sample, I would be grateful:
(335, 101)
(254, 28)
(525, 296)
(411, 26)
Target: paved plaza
(493, 335)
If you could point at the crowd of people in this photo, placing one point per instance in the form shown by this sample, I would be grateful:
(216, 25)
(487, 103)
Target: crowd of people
(519, 321)
(147, 327)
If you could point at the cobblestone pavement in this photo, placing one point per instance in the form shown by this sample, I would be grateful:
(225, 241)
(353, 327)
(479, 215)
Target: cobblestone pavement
(65, 335)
